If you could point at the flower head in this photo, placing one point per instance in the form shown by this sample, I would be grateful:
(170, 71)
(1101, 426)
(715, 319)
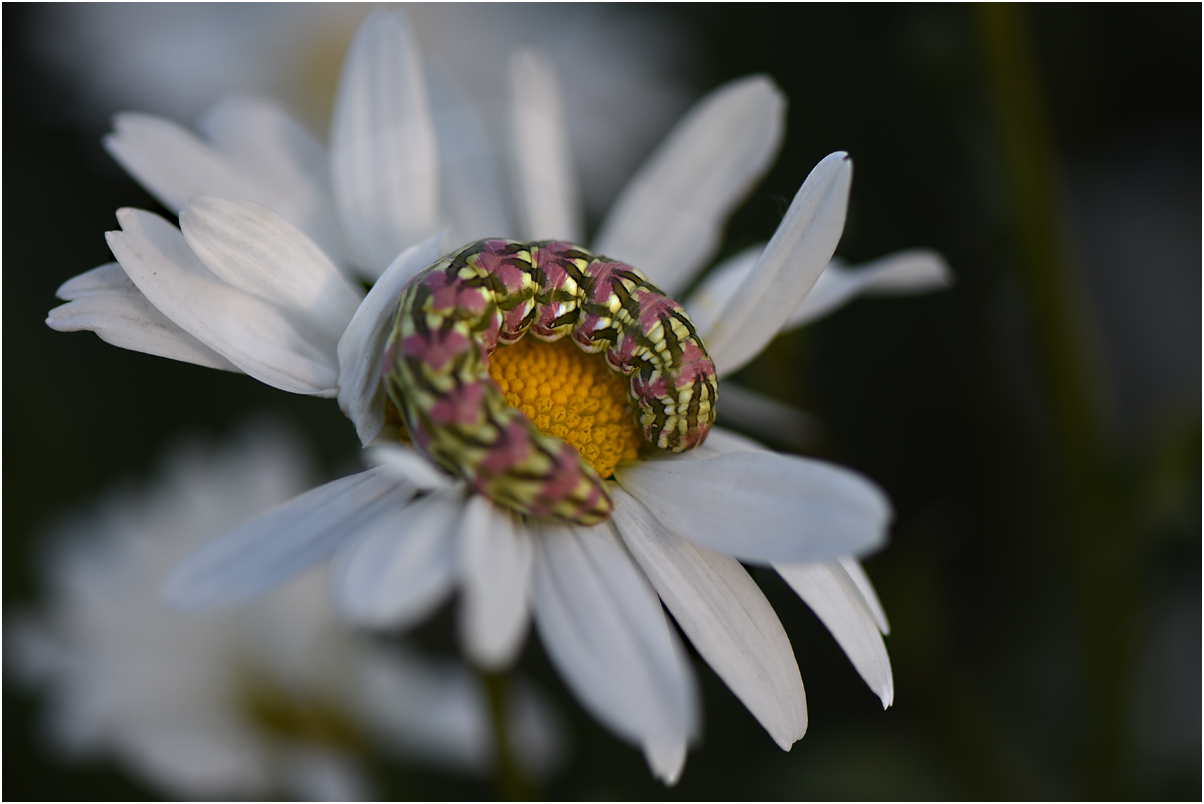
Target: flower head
(279, 697)
(240, 286)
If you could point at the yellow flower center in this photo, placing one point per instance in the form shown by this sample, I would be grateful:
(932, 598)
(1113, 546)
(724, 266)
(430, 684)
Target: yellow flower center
(571, 395)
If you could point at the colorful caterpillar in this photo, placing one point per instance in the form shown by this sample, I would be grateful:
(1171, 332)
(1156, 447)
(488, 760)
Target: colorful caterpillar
(452, 316)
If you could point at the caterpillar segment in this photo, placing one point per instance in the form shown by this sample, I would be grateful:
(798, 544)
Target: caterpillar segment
(452, 316)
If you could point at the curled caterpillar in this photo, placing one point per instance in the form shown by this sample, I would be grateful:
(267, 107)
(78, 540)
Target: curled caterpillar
(452, 316)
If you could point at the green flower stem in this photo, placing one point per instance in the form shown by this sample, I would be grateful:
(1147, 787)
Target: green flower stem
(1100, 520)
(512, 783)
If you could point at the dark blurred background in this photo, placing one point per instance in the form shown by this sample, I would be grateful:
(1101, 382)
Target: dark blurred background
(1037, 426)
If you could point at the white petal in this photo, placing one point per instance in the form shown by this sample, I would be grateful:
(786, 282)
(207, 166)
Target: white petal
(362, 346)
(106, 302)
(196, 759)
(251, 248)
(857, 575)
(258, 337)
(472, 181)
(670, 217)
(916, 271)
(540, 738)
(174, 165)
(766, 416)
(549, 203)
(706, 303)
(722, 440)
(313, 773)
(603, 627)
(282, 543)
(906, 272)
(431, 710)
(33, 653)
(403, 563)
(435, 710)
(260, 137)
(726, 617)
(384, 154)
(666, 760)
(786, 269)
(496, 560)
(762, 506)
(835, 599)
(408, 466)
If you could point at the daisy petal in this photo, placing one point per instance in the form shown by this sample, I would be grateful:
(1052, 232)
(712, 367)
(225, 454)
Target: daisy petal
(835, 599)
(496, 559)
(472, 180)
(258, 337)
(403, 563)
(915, 271)
(384, 154)
(262, 138)
(604, 628)
(362, 346)
(706, 303)
(408, 466)
(762, 506)
(766, 416)
(435, 709)
(787, 268)
(106, 302)
(416, 706)
(549, 203)
(669, 219)
(722, 440)
(726, 617)
(174, 165)
(282, 543)
(666, 760)
(251, 248)
(312, 773)
(857, 575)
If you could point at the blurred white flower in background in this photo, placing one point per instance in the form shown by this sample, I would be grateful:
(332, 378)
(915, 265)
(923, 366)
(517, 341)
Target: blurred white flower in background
(623, 62)
(275, 699)
(254, 284)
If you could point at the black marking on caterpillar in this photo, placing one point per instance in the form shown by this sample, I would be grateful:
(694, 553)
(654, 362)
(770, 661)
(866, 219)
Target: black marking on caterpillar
(452, 316)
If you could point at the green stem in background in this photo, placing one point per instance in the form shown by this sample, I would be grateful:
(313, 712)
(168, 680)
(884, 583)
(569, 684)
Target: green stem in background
(1101, 520)
(511, 782)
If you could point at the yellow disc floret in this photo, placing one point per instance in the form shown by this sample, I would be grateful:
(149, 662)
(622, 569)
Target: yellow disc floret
(571, 395)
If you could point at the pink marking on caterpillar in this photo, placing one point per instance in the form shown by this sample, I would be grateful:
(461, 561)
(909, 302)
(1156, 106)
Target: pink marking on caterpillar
(453, 315)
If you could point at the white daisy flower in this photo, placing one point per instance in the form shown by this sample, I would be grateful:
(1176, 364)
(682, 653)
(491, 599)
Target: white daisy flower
(276, 698)
(404, 535)
(240, 286)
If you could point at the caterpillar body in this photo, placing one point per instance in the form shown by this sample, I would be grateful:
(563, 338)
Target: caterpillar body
(452, 316)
